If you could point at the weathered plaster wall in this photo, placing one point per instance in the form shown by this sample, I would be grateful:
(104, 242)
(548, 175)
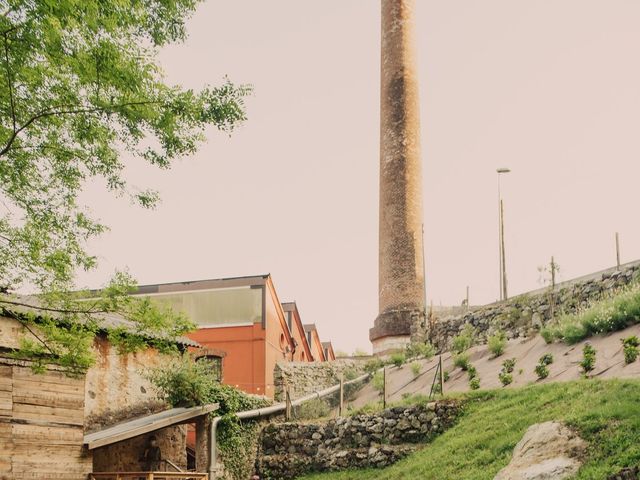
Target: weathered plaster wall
(307, 377)
(292, 449)
(116, 383)
(525, 314)
(126, 456)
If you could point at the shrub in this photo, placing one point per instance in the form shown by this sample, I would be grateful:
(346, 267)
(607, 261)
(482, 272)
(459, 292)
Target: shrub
(615, 311)
(472, 372)
(542, 371)
(397, 359)
(588, 359)
(419, 349)
(416, 368)
(474, 383)
(497, 343)
(547, 335)
(461, 361)
(312, 409)
(350, 373)
(373, 365)
(630, 349)
(378, 381)
(445, 375)
(509, 365)
(546, 359)
(505, 378)
(464, 339)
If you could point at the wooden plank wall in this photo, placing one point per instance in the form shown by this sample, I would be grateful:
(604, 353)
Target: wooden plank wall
(41, 425)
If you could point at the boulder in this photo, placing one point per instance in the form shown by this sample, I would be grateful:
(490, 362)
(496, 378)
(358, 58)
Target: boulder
(547, 451)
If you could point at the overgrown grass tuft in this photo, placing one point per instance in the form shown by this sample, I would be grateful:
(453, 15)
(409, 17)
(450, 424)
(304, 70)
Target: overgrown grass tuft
(605, 413)
(614, 312)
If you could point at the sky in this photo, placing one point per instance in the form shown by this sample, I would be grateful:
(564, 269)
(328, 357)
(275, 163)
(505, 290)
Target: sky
(549, 89)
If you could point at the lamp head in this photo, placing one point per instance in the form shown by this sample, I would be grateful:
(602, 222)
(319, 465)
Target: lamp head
(503, 170)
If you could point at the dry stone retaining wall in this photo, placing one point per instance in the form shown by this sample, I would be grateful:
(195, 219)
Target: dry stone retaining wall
(526, 314)
(362, 441)
(308, 377)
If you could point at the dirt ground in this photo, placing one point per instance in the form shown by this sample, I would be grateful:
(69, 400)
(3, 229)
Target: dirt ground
(527, 352)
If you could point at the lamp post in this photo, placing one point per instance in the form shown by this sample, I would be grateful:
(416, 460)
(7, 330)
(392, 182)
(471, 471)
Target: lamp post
(503, 268)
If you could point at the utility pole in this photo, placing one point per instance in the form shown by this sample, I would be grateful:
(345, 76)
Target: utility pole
(501, 256)
(617, 251)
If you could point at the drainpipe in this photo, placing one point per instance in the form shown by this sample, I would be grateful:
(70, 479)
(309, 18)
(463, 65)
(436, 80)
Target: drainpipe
(264, 412)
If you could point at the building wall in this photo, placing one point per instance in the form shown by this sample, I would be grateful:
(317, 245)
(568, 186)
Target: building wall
(316, 347)
(279, 344)
(244, 363)
(125, 456)
(41, 424)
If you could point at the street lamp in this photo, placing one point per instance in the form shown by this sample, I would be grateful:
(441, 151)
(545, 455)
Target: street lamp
(501, 256)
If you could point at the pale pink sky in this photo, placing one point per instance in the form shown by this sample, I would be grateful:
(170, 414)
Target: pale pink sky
(549, 88)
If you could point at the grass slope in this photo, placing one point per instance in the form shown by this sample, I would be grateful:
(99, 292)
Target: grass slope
(606, 413)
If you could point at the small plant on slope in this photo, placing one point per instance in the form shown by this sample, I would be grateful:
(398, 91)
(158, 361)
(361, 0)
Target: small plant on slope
(463, 340)
(588, 361)
(416, 368)
(630, 349)
(505, 376)
(474, 383)
(542, 369)
(419, 349)
(398, 359)
(461, 361)
(497, 343)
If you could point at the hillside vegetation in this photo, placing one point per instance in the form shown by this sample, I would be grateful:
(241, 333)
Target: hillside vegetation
(605, 413)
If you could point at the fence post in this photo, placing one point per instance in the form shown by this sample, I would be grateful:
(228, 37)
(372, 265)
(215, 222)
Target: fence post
(341, 407)
(384, 387)
(441, 375)
(287, 412)
(617, 251)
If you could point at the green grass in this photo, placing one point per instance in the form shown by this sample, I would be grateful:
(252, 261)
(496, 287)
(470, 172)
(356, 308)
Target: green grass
(606, 413)
(615, 311)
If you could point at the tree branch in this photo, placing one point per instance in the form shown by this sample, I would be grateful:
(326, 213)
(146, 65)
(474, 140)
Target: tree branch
(9, 80)
(52, 309)
(70, 111)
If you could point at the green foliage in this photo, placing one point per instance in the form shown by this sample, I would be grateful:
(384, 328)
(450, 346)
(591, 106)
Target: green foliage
(615, 311)
(604, 413)
(461, 361)
(630, 349)
(497, 343)
(419, 349)
(360, 353)
(508, 365)
(588, 361)
(313, 409)
(547, 334)
(472, 372)
(464, 340)
(378, 381)
(506, 374)
(416, 368)
(397, 359)
(546, 359)
(185, 383)
(446, 376)
(83, 95)
(505, 378)
(542, 371)
(373, 365)
(350, 373)
(474, 383)
(65, 335)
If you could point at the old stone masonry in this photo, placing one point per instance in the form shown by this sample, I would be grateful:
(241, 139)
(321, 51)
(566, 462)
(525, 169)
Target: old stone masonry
(362, 441)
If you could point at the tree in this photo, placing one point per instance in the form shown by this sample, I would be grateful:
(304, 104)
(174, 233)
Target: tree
(80, 92)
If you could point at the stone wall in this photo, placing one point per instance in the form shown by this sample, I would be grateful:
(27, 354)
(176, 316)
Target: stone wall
(291, 449)
(525, 314)
(308, 377)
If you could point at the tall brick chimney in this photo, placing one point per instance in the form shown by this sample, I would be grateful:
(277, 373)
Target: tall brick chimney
(401, 267)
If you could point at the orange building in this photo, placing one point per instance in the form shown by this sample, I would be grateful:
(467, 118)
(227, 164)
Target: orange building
(243, 327)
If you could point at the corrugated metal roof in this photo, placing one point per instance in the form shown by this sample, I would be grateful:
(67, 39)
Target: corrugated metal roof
(142, 425)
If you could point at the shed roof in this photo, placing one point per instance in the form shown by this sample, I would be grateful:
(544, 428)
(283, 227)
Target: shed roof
(142, 425)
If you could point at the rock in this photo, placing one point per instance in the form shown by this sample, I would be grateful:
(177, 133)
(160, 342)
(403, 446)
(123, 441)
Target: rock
(626, 474)
(547, 451)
